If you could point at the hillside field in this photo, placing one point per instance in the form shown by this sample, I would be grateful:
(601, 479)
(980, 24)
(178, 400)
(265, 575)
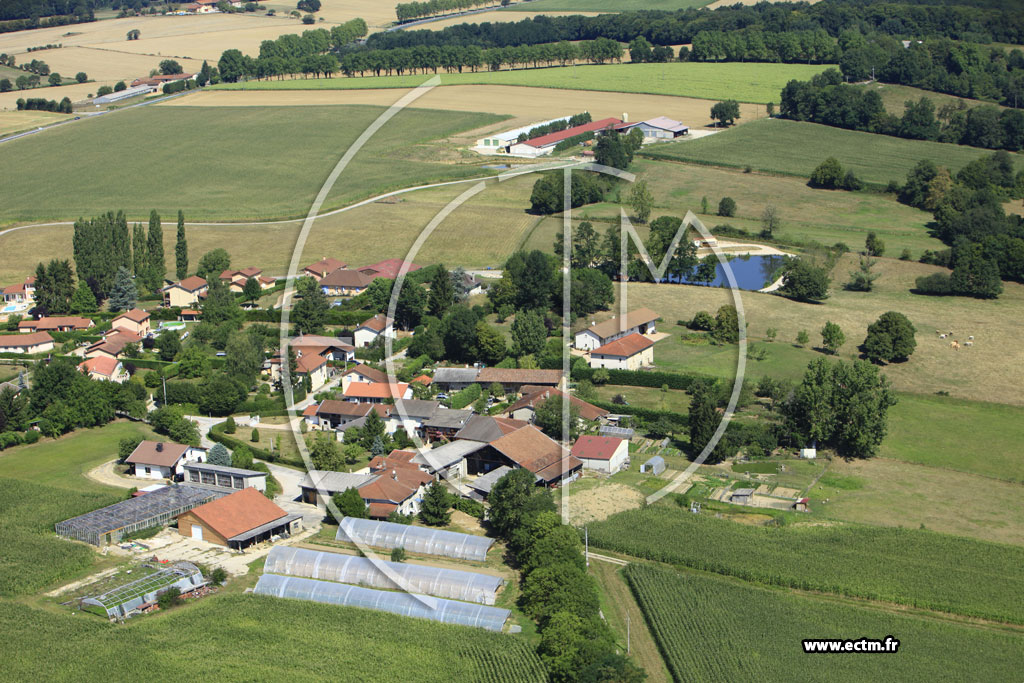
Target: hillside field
(760, 83)
(207, 165)
(752, 633)
(778, 145)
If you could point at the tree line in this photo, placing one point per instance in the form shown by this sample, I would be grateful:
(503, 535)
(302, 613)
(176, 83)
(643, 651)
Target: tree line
(827, 100)
(292, 53)
(43, 104)
(409, 11)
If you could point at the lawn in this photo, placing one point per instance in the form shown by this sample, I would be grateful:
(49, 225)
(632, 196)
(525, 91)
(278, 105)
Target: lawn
(745, 82)
(648, 397)
(205, 162)
(975, 437)
(49, 646)
(796, 148)
(753, 633)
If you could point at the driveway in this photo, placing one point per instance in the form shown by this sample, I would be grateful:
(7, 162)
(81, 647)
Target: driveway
(105, 474)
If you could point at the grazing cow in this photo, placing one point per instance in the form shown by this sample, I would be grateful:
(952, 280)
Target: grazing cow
(970, 343)
(971, 338)
(942, 336)
(955, 345)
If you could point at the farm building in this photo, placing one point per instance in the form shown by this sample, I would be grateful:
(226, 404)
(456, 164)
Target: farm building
(445, 424)
(318, 485)
(125, 599)
(448, 460)
(415, 539)
(455, 379)
(162, 460)
(629, 353)
(655, 465)
(485, 428)
(396, 602)
(545, 144)
(512, 380)
(499, 143)
(110, 524)
(134, 91)
(222, 478)
(801, 505)
(482, 485)
(601, 453)
(238, 520)
(361, 571)
(741, 496)
(531, 449)
(659, 128)
(640, 321)
(34, 342)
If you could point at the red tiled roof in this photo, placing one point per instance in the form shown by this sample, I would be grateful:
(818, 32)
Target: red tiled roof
(101, 365)
(56, 322)
(239, 512)
(349, 279)
(532, 449)
(371, 374)
(23, 340)
(189, 311)
(160, 453)
(377, 323)
(136, 315)
(191, 284)
(519, 376)
(310, 410)
(587, 411)
(596, 447)
(556, 137)
(380, 510)
(425, 380)
(346, 408)
(251, 271)
(309, 362)
(325, 266)
(376, 390)
(626, 347)
(389, 268)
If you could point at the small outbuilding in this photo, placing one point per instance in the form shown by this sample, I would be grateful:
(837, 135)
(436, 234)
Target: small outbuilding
(656, 465)
(742, 496)
(801, 505)
(606, 454)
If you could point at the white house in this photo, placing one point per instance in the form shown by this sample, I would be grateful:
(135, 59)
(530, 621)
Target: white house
(640, 321)
(163, 460)
(606, 454)
(33, 342)
(104, 369)
(368, 332)
(629, 353)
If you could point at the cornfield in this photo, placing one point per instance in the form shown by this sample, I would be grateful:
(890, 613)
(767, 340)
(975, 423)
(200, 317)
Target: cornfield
(712, 628)
(910, 567)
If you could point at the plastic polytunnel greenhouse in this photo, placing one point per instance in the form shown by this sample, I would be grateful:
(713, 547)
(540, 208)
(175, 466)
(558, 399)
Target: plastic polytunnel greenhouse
(406, 604)
(415, 539)
(375, 573)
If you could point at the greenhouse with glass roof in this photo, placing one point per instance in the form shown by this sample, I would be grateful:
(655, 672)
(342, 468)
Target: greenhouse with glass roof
(414, 539)
(121, 601)
(396, 602)
(373, 573)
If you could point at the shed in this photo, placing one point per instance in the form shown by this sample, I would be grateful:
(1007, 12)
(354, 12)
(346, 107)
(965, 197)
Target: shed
(238, 520)
(801, 504)
(483, 484)
(808, 453)
(656, 465)
(742, 496)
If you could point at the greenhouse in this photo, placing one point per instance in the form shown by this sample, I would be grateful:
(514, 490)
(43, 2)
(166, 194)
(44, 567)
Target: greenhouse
(362, 571)
(406, 604)
(415, 539)
(121, 601)
(108, 525)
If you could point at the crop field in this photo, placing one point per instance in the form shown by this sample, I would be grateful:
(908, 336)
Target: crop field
(528, 105)
(777, 145)
(992, 370)
(759, 83)
(909, 567)
(16, 121)
(106, 63)
(311, 642)
(33, 556)
(205, 151)
(76, 93)
(751, 633)
(377, 14)
(890, 493)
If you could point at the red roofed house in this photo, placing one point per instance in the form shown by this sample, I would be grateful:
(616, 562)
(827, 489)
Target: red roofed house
(546, 143)
(606, 454)
(55, 324)
(313, 366)
(236, 279)
(398, 490)
(34, 342)
(238, 520)
(529, 448)
(425, 380)
(376, 392)
(23, 293)
(162, 460)
(526, 407)
(105, 369)
(362, 373)
(368, 332)
(185, 293)
(345, 282)
(641, 321)
(389, 268)
(629, 353)
(113, 343)
(136, 320)
(319, 270)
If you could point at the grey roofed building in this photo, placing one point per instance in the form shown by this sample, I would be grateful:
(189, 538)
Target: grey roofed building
(484, 483)
(654, 465)
(413, 408)
(447, 455)
(449, 419)
(455, 376)
(486, 429)
(333, 482)
(741, 496)
(223, 478)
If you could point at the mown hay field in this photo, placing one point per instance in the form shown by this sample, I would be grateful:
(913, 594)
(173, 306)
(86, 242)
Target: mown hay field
(528, 105)
(911, 567)
(76, 93)
(750, 633)
(778, 145)
(104, 63)
(758, 83)
(17, 121)
(312, 642)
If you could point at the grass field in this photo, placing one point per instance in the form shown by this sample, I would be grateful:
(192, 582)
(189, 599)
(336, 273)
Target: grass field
(312, 642)
(778, 145)
(895, 96)
(648, 397)
(105, 63)
(206, 164)
(910, 567)
(16, 121)
(992, 370)
(750, 633)
(759, 83)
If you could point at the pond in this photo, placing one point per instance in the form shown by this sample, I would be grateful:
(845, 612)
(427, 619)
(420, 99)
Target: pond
(752, 272)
